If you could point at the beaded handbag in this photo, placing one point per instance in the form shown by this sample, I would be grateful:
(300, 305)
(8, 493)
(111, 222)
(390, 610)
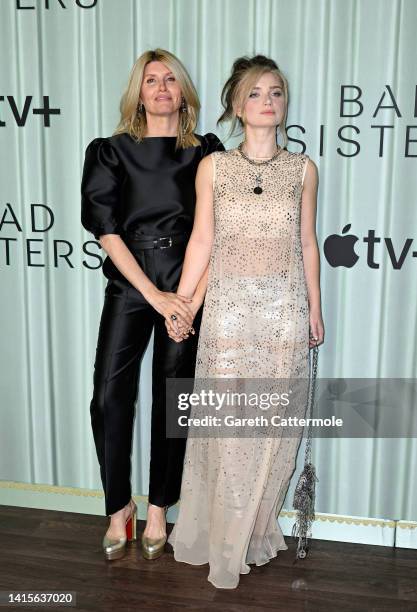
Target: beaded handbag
(305, 491)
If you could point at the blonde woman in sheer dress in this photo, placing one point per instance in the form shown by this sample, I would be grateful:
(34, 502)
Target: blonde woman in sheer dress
(254, 240)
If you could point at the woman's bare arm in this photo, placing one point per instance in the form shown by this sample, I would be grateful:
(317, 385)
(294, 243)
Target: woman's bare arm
(199, 246)
(193, 282)
(311, 257)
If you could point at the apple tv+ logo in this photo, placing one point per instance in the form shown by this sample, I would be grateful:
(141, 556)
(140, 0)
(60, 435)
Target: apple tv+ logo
(339, 249)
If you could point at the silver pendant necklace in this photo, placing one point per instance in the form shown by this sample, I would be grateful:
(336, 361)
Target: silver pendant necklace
(258, 177)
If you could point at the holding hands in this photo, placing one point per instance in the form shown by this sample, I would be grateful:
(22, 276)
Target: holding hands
(179, 327)
(178, 311)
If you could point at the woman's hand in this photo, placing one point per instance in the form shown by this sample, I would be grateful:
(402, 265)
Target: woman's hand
(168, 304)
(316, 328)
(182, 331)
(181, 335)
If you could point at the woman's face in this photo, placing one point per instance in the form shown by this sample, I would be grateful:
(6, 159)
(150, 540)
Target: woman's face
(160, 92)
(265, 106)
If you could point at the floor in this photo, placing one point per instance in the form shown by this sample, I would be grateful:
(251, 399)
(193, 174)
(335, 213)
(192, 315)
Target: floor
(43, 550)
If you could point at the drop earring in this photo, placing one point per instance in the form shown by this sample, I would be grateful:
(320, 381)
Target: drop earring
(139, 108)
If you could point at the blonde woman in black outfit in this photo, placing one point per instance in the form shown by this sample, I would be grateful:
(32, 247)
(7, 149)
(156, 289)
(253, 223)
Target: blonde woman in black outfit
(138, 200)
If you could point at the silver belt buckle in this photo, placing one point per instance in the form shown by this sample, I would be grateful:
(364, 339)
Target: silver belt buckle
(169, 242)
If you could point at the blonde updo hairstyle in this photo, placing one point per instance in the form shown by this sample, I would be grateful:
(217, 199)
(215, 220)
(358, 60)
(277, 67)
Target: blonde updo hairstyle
(246, 72)
(132, 113)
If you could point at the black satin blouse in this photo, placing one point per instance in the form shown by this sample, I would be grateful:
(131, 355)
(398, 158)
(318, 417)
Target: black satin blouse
(145, 187)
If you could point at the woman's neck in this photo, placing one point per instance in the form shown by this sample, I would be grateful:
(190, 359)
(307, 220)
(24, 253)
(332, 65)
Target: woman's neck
(162, 125)
(260, 143)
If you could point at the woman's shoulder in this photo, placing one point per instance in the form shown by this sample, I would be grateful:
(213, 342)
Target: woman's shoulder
(303, 164)
(290, 155)
(101, 143)
(298, 160)
(103, 152)
(112, 148)
(96, 143)
(297, 156)
(222, 157)
(115, 141)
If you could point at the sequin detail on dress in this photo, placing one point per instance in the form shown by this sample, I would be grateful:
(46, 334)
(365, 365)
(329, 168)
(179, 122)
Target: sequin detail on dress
(255, 324)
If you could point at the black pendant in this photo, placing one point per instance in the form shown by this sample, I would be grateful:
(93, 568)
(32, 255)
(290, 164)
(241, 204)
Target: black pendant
(258, 190)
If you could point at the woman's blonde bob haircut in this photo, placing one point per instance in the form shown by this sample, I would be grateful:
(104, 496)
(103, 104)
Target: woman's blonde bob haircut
(132, 113)
(246, 72)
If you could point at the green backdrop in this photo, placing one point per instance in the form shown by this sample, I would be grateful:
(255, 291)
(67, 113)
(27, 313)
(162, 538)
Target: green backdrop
(77, 60)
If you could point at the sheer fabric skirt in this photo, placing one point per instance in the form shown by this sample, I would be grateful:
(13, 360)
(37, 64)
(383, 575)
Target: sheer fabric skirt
(233, 488)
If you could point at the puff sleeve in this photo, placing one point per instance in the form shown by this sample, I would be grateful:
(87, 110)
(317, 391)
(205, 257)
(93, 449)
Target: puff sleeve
(211, 143)
(100, 189)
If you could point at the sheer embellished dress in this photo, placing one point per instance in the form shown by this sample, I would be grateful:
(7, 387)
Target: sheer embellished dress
(255, 324)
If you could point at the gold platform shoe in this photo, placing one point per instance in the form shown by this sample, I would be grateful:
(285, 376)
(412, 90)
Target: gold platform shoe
(115, 548)
(152, 548)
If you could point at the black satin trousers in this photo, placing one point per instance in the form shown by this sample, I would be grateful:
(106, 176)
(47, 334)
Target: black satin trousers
(126, 326)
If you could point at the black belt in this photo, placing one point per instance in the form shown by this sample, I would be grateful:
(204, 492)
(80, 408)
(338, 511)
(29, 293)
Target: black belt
(156, 242)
